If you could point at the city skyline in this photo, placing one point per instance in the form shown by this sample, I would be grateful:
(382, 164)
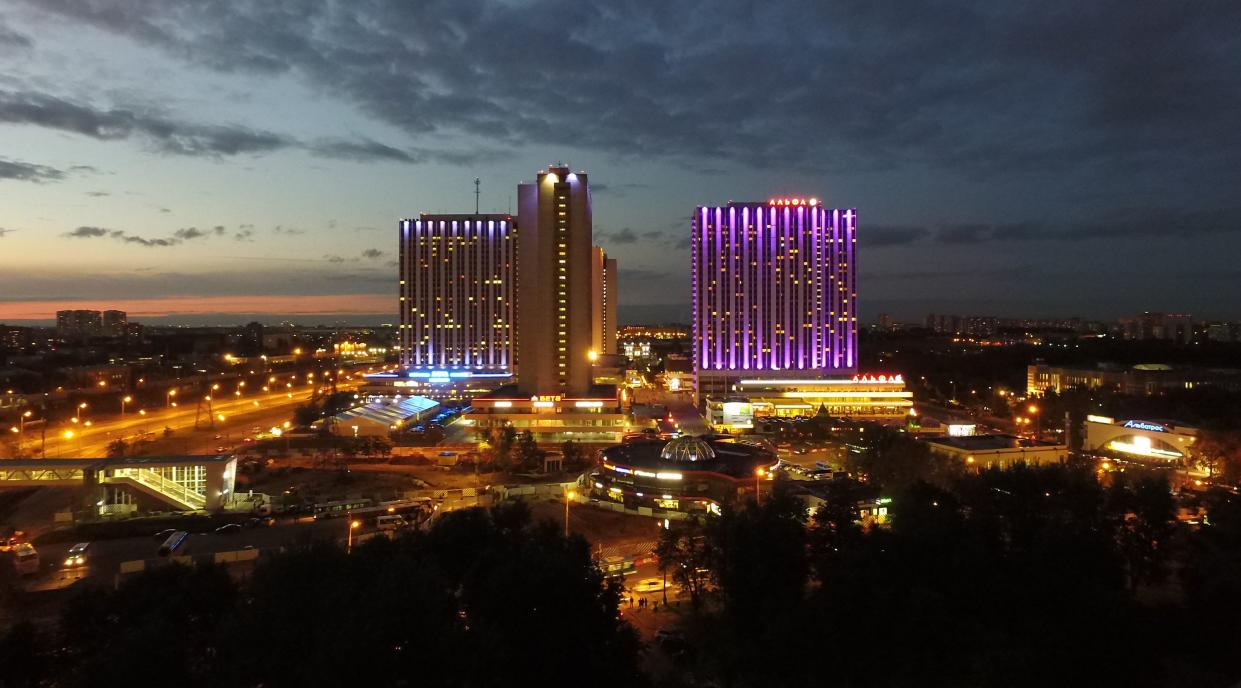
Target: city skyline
(195, 165)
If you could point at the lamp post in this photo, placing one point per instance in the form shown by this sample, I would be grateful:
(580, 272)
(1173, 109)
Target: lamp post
(125, 400)
(168, 398)
(568, 497)
(77, 412)
(1034, 412)
(758, 493)
(353, 525)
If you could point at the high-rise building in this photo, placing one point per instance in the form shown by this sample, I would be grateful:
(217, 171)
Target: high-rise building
(773, 292)
(458, 286)
(115, 323)
(79, 323)
(554, 397)
(554, 291)
(1175, 327)
(603, 302)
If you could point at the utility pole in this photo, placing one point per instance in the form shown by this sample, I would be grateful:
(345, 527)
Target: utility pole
(477, 191)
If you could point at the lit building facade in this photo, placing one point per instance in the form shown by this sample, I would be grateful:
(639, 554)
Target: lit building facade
(880, 398)
(458, 286)
(687, 474)
(603, 302)
(79, 323)
(596, 415)
(773, 292)
(554, 323)
(1160, 442)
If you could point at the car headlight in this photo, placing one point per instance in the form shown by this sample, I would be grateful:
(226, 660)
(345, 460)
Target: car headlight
(81, 560)
(69, 561)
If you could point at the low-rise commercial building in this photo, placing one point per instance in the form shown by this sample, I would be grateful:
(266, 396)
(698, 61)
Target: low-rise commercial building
(596, 416)
(380, 416)
(690, 474)
(1001, 451)
(1142, 379)
(881, 398)
(1149, 440)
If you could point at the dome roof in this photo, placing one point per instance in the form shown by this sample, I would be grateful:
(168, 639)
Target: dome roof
(687, 448)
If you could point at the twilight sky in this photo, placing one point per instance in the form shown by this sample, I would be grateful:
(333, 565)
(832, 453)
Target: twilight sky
(1036, 158)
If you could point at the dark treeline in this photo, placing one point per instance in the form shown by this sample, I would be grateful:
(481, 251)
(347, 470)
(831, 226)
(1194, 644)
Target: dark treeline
(1025, 577)
(485, 598)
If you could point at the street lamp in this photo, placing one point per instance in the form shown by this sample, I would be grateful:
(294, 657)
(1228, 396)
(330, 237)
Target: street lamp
(568, 497)
(353, 525)
(125, 400)
(77, 414)
(1034, 412)
(168, 397)
(758, 494)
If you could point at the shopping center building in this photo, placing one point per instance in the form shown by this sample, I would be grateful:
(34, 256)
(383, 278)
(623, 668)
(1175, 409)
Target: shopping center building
(879, 398)
(1158, 441)
(689, 474)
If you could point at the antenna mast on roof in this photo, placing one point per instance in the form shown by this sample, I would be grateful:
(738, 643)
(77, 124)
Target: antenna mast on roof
(477, 182)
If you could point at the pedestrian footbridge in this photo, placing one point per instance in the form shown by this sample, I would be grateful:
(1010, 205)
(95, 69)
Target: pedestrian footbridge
(186, 483)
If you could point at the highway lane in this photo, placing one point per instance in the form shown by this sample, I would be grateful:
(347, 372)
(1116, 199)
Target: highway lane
(240, 413)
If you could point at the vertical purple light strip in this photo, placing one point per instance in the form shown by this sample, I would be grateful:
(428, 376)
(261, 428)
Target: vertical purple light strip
(718, 252)
(801, 288)
(730, 270)
(746, 289)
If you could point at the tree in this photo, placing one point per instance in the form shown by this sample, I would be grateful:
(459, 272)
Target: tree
(1218, 451)
(574, 455)
(306, 414)
(686, 552)
(529, 456)
(762, 566)
(117, 448)
(1146, 516)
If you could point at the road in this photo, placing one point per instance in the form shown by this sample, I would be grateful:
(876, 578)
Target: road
(105, 556)
(240, 412)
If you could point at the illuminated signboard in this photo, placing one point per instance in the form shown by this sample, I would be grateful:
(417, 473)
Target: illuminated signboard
(793, 201)
(737, 413)
(880, 379)
(962, 429)
(1101, 419)
(1144, 425)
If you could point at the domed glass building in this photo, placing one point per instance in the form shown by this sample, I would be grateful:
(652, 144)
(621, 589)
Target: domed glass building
(690, 474)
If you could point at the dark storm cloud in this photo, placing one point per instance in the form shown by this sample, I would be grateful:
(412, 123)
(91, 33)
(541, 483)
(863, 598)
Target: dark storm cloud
(968, 85)
(1115, 224)
(168, 135)
(626, 235)
(891, 235)
(12, 39)
(178, 237)
(362, 150)
(87, 232)
(372, 254)
(29, 172)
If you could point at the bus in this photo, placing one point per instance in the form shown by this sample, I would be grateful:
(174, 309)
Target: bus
(340, 508)
(414, 510)
(617, 567)
(22, 556)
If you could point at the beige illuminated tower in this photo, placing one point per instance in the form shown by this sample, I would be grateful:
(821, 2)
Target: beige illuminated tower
(554, 328)
(603, 302)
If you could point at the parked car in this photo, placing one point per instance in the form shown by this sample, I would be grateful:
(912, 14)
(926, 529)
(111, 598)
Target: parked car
(228, 529)
(163, 534)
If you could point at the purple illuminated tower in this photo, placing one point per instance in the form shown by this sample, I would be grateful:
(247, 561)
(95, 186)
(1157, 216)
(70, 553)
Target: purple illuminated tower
(458, 288)
(773, 292)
